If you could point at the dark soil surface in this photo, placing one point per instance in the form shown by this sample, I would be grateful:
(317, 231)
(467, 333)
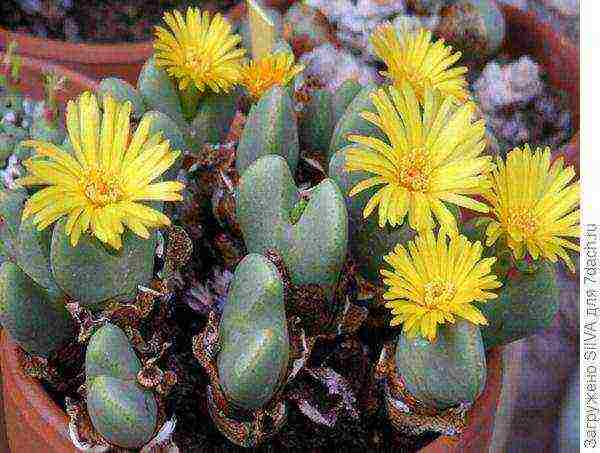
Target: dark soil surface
(100, 21)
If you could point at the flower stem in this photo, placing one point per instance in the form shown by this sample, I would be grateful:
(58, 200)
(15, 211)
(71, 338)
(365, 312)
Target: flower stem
(190, 98)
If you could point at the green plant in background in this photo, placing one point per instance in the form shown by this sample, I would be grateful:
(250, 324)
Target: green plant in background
(22, 119)
(11, 73)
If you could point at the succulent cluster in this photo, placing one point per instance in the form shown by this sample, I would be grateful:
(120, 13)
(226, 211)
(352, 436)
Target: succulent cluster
(383, 225)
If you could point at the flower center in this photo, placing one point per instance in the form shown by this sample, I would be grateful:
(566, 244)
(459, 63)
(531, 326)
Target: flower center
(439, 292)
(522, 221)
(101, 189)
(194, 61)
(414, 170)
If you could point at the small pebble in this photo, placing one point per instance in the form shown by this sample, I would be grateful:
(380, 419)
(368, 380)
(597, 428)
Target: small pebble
(9, 118)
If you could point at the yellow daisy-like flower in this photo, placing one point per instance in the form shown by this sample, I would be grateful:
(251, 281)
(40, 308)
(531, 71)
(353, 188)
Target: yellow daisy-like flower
(436, 279)
(432, 156)
(99, 185)
(534, 204)
(413, 57)
(199, 50)
(273, 69)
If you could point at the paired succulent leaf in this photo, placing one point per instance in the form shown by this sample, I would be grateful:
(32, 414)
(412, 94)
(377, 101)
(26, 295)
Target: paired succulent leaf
(121, 410)
(447, 372)
(316, 127)
(313, 248)
(271, 128)
(93, 274)
(352, 123)
(253, 335)
(368, 241)
(38, 322)
(526, 304)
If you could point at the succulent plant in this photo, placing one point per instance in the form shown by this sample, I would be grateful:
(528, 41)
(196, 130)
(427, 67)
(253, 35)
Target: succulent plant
(271, 128)
(123, 412)
(448, 372)
(368, 240)
(316, 127)
(310, 235)
(156, 95)
(351, 122)
(527, 304)
(11, 207)
(36, 320)
(402, 159)
(342, 98)
(93, 274)
(253, 335)
(90, 273)
(23, 118)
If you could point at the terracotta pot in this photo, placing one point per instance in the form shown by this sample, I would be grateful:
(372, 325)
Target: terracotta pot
(123, 60)
(33, 421)
(94, 60)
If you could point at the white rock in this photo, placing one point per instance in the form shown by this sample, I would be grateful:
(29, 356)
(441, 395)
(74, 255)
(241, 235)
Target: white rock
(334, 66)
(516, 82)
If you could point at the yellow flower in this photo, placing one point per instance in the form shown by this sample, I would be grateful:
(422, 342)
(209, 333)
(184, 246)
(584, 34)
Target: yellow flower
(99, 184)
(199, 50)
(432, 156)
(436, 280)
(273, 69)
(534, 204)
(413, 57)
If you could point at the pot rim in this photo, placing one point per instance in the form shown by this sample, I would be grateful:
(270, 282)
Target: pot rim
(48, 413)
(80, 80)
(91, 53)
(77, 52)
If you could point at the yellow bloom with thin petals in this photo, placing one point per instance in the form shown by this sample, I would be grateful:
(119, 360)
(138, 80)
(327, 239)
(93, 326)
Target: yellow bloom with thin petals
(535, 205)
(411, 56)
(199, 50)
(100, 184)
(436, 280)
(274, 69)
(432, 157)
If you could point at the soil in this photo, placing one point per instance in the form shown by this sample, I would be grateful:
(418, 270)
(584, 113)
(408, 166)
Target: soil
(97, 21)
